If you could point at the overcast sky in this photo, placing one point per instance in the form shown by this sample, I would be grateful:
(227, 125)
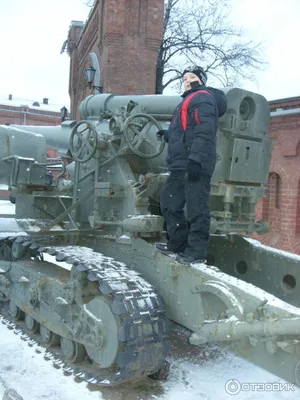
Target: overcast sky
(33, 31)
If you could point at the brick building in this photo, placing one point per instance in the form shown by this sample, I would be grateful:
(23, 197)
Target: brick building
(120, 40)
(28, 112)
(281, 205)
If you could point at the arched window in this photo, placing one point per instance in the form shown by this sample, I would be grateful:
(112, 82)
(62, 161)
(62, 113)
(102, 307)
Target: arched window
(275, 190)
(266, 203)
(272, 202)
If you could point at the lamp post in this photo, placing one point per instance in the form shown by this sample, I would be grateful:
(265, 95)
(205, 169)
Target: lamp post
(63, 113)
(89, 76)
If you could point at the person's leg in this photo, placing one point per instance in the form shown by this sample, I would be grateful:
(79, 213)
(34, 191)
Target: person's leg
(172, 203)
(197, 203)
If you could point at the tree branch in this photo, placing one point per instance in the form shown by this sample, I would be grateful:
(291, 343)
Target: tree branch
(200, 32)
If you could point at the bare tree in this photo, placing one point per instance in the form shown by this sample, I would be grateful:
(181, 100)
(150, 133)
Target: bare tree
(199, 32)
(89, 3)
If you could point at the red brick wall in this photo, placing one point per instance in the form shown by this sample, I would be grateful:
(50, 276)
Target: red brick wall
(4, 195)
(27, 116)
(126, 36)
(281, 205)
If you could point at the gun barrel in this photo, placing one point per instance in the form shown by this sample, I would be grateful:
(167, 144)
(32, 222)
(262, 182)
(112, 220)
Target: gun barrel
(57, 136)
(30, 142)
(94, 106)
(247, 112)
(228, 330)
(17, 141)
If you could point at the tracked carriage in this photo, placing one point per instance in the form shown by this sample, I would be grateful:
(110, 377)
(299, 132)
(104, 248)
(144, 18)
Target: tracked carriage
(104, 300)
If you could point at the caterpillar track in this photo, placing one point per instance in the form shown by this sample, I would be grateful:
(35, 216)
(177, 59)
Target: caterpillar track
(91, 315)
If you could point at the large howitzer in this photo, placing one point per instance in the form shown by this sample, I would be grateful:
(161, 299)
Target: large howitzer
(246, 296)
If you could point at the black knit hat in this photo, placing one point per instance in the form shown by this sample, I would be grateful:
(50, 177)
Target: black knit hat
(197, 71)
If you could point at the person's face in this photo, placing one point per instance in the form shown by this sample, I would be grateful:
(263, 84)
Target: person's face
(188, 78)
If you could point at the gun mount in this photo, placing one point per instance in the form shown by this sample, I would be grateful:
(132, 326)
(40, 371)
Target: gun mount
(106, 213)
(117, 140)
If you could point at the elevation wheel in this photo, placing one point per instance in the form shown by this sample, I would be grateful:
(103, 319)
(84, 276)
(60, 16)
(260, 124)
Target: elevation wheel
(137, 133)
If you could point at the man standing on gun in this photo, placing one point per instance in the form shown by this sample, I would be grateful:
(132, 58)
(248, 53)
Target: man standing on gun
(191, 160)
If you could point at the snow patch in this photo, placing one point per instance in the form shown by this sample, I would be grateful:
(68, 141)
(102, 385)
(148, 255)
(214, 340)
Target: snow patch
(259, 245)
(190, 378)
(52, 259)
(6, 207)
(248, 289)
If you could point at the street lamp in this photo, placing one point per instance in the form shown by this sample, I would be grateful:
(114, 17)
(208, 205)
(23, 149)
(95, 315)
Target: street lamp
(63, 113)
(89, 76)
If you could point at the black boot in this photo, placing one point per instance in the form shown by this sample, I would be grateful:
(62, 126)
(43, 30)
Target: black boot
(185, 259)
(163, 248)
(169, 248)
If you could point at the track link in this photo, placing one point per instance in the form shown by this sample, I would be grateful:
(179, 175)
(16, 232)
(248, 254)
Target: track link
(144, 329)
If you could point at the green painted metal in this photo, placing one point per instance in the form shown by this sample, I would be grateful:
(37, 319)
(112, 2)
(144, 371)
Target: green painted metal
(245, 298)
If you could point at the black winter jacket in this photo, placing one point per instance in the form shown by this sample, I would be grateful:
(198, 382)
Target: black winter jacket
(193, 128)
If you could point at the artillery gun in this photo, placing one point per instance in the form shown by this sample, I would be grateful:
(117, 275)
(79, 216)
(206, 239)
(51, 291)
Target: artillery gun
(84, 275)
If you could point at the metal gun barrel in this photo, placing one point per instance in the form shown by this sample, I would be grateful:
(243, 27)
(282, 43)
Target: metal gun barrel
(246, 111)
(229, 330)
(30, 142)
(57, 136)
(94, 106)
(17, 141)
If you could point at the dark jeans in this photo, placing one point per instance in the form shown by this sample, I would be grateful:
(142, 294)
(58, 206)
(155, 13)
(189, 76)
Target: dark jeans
(192, 236)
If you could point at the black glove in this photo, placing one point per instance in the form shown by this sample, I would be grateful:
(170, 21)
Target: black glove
(194, 170)
(160, 134)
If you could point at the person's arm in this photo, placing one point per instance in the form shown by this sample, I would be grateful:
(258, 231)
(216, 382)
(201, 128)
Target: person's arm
(204, 117)
(221, 100)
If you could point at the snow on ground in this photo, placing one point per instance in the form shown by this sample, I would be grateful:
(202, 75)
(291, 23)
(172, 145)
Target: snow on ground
(6, 207)
(195, 373)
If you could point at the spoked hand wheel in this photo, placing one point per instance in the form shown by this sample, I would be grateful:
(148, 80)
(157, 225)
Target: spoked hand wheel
(136, 131)
(83, 141)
